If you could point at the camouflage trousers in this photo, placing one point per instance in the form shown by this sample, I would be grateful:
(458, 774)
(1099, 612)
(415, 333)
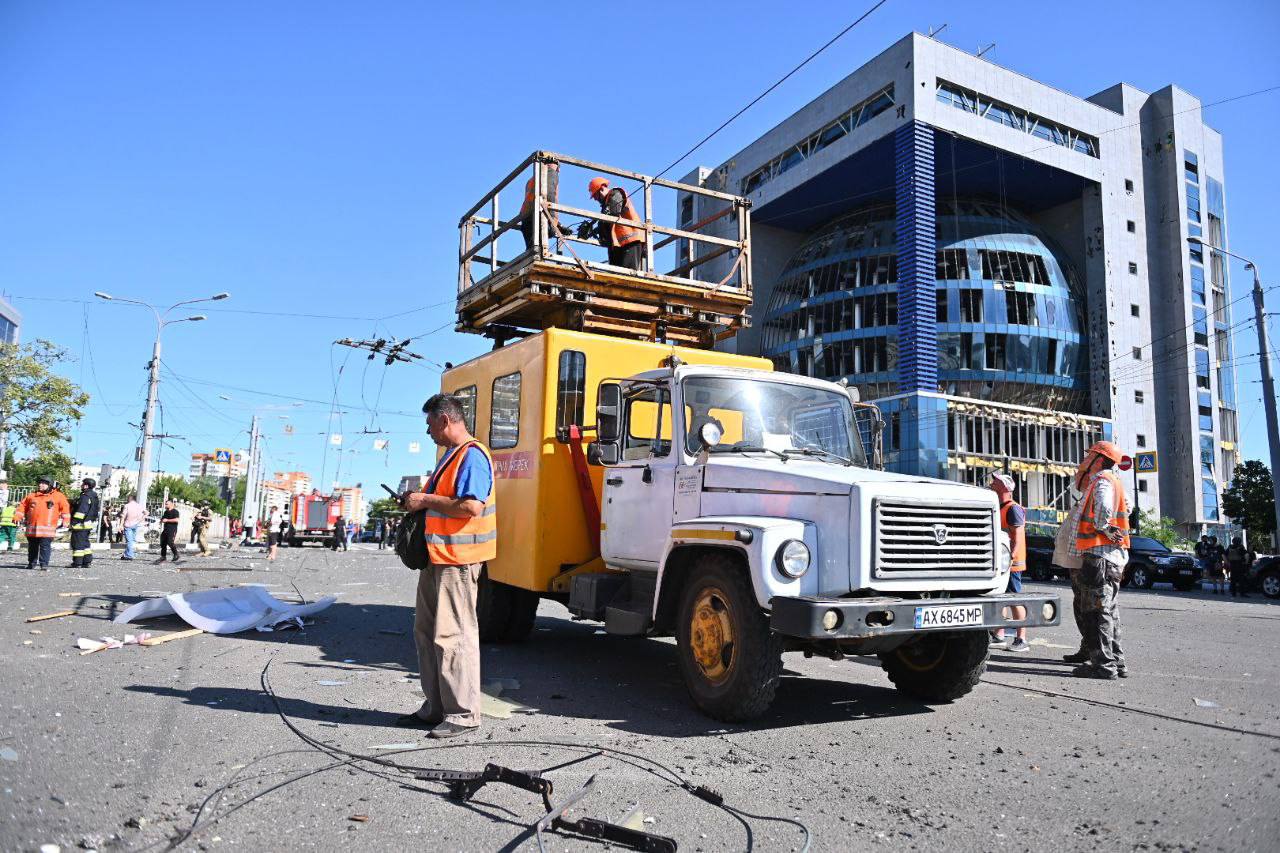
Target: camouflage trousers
(1096, 585)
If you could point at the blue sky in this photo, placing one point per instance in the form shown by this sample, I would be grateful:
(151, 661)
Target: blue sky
(313, 159)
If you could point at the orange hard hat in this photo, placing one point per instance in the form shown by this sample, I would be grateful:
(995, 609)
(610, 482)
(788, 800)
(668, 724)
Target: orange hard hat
(1107, 450)
(597, 183)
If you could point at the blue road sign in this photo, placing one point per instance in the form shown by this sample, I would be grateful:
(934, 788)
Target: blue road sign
(1145, 463)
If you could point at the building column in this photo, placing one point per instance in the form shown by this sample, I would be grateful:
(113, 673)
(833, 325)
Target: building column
(922, 418)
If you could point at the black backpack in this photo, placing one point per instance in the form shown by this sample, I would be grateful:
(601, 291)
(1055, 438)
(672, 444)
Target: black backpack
(411, 540)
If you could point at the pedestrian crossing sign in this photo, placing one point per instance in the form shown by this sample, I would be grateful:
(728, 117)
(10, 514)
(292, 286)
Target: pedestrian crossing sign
(1145, 463)
(222, 456)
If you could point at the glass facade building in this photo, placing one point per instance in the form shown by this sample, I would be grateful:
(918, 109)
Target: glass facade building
(1008, 308)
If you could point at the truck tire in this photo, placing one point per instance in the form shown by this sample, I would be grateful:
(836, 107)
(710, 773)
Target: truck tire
(730, 659)
(938, 667)
(505, 613)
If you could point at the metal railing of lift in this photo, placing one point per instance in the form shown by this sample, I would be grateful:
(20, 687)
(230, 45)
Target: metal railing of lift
(481, 233)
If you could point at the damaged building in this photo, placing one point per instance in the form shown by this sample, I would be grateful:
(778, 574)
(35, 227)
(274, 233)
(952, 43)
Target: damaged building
(1003, 268)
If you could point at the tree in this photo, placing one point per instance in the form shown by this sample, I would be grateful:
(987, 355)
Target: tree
(1251, 501)
(37, 407)
(1164, 530)
(52, 464)
(201, 489)
(384, 507)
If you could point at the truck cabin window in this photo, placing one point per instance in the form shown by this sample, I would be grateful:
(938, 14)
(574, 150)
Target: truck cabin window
(778, 418)
(648, 418)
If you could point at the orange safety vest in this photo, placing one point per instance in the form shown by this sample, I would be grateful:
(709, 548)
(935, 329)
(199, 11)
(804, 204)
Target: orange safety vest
(625, 235)
(461, 541)
(43, 513)
(1017, 537)
(1088, 535)
(528, 199)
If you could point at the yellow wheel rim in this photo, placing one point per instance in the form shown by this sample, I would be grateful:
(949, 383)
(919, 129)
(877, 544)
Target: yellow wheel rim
(711, 635)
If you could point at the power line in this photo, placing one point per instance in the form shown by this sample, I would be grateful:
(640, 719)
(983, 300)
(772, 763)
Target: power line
(776, 84)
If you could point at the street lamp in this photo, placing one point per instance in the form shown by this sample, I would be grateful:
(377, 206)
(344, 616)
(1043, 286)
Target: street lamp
(1264, 360)
(162, 320)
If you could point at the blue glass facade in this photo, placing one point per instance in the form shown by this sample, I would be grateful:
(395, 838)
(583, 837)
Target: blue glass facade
(1005, 322)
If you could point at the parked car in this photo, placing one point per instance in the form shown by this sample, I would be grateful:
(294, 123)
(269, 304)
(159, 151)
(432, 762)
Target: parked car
(1040, 565)
(1151, 562)
(1264, 576)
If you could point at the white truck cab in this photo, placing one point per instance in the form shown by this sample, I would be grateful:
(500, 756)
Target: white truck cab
(742, 512)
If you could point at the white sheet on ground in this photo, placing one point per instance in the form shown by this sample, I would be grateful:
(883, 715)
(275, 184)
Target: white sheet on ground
(224, 611)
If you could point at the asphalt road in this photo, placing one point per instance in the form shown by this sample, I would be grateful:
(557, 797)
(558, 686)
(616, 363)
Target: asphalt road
(119, 749)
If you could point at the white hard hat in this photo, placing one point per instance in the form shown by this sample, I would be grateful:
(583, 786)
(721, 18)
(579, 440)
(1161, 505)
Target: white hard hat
(1003, 479)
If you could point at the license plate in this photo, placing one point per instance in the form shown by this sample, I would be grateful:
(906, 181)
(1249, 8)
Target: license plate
(952, 616)
(1185, 572)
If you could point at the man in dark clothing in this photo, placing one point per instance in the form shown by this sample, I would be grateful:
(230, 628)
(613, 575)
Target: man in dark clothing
(84, 516)
(624, 242)
(383, 525)
(1239, 559)
(169, 531)
(340, 533)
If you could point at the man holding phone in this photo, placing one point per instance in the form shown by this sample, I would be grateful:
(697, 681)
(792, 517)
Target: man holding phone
(461, 528)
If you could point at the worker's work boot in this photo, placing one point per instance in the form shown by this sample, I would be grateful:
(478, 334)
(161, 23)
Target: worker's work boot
(1077, 657)
(448, 730)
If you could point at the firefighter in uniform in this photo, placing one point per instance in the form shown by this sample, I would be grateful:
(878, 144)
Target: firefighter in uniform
(84, 518)
(43, 512)
(8, 527)
(461, 534)
(1101, 523)
(624, 242)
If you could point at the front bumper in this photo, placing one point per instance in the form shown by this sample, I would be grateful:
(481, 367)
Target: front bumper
(860, 618)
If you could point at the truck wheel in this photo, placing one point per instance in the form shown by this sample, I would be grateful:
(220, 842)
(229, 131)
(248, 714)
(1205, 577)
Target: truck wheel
(730, 659)
(938, 667)
(505, 612)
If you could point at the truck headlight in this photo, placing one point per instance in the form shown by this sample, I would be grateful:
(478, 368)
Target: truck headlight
(793, 558)
(1006, 557)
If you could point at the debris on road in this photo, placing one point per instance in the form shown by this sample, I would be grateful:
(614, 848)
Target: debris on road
(329, 683)
(57, 615)
(359, 818)
(225, 610)
(88, 647)
(1205, 703)
(176, 635)
(394, 746)
(8, 753)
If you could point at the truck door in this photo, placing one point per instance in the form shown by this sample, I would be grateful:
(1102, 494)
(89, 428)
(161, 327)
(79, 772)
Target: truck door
(639, 489)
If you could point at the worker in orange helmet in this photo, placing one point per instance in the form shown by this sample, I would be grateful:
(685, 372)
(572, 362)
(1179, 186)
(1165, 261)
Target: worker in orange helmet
(1100, 524)
(624, 242)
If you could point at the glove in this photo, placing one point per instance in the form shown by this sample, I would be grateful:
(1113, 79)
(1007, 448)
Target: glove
(584, 230)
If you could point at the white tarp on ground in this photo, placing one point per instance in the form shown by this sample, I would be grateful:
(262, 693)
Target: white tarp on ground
(224, 611)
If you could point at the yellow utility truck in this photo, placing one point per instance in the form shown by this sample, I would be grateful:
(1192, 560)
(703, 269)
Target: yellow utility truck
(740, 509)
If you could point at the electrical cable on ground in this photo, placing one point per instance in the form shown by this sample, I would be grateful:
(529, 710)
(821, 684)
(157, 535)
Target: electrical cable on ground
(650, 765)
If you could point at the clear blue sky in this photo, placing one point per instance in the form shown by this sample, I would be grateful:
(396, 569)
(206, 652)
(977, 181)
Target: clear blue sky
(313, 158)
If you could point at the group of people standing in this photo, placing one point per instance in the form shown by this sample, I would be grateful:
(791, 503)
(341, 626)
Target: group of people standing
(1220, 563)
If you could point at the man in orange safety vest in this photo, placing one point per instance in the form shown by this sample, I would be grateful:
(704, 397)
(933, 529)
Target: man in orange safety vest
(1100, 521)
(624, 242)
(44, 512)
(461, 534)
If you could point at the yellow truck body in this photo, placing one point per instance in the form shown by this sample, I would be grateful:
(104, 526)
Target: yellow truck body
(521, 398)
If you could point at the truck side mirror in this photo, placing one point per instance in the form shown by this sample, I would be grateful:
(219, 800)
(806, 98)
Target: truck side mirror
(602, 454)
(609, 413)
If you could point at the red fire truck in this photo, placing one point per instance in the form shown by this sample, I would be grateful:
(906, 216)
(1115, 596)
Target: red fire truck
(313, 517)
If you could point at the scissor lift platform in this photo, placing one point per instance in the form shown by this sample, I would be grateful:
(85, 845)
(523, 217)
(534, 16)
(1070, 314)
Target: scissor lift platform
(550, 285)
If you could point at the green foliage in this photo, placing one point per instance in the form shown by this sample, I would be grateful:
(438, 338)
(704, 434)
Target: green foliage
(1250, 500)
(193, 491)
(37, 407)
(53, 464)
(1164, 530)
(126, 488)
(384, 508)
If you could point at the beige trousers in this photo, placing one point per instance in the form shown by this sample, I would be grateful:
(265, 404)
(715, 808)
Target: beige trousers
(202, 537)
(447, 635)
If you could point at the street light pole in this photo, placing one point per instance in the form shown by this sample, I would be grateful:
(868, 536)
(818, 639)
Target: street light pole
(153, 379)
(1264, 362)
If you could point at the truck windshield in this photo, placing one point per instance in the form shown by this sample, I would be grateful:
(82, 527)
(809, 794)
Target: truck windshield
(771, 417)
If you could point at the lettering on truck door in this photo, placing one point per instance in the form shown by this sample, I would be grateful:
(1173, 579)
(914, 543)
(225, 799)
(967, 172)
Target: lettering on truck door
(638, 490)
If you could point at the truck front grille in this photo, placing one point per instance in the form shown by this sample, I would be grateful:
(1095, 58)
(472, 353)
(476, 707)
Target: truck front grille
(924, 538)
